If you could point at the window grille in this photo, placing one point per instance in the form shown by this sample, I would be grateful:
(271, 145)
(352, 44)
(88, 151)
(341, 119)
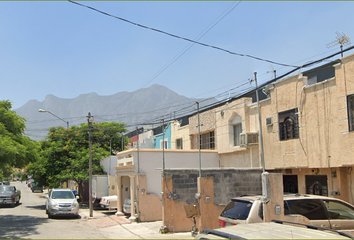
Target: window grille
(350, 102)
(288, 125)
(207, 140)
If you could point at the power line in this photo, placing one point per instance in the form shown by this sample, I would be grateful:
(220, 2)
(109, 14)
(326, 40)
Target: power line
(183, 38)
(187, 111)
(179, 55)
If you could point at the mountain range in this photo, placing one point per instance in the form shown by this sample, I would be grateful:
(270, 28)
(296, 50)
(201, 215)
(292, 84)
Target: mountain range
(146, 105)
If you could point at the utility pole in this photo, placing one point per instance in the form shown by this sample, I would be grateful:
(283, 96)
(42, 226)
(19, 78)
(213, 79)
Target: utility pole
(260, 124)
(163, 144)
(110, 156)
(265, 175)
(122, 143)
(137, 142)
(200, 156)
(89, 121)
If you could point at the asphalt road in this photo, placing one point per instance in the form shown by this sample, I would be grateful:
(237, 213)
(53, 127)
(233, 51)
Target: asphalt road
(28, 220)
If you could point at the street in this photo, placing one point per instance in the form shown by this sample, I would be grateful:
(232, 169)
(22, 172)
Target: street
(28, 220)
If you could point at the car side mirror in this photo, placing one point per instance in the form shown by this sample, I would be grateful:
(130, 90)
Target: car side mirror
(46, 197)
(77, 197)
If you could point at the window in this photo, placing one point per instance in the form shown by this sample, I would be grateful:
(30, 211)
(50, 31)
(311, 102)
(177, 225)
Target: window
(165, 143)
(237, 209)
(179, 143)
(311, 208)
(237, 132)
(207, 141)
(350, 102)
(338, 210)
(288, 125)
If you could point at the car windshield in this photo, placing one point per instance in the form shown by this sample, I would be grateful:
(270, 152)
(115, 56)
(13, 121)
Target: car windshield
(62, 195)
(237, 209)
(4, 189)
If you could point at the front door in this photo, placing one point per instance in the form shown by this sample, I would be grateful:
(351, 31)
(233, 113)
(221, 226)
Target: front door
(316, 185)
(290, 184)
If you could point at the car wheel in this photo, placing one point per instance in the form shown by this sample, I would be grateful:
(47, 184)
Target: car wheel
(18, 202)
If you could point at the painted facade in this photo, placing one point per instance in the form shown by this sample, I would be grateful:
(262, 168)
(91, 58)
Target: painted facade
(144, 168)
(180, 138)
(307, 130)
(166, 137)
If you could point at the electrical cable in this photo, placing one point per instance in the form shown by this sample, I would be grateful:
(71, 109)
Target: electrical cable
(240, 94)
(178, 56)
(183, 38)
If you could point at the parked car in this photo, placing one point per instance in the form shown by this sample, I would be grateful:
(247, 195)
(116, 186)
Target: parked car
(272, 230)
(9, 195)
(6, 183)
(321, 211)
(61, 202)
(127, 206)
(35, 186)
(29, 182)
(108, 202)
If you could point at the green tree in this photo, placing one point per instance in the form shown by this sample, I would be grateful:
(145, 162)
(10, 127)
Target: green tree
(16, 150)
(65, 153)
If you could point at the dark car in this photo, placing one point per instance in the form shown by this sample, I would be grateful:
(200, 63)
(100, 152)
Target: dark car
(35, 186)
(6, 183)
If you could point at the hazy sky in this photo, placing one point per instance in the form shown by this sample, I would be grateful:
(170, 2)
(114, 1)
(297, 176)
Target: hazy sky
(60, 48)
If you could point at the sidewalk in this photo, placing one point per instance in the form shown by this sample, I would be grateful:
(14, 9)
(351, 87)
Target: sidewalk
(120, 227)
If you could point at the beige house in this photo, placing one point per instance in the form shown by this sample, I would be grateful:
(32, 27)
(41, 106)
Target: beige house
(139, 177)
(307, 130)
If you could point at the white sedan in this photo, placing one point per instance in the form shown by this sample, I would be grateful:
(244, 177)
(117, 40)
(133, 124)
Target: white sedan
(109, 202)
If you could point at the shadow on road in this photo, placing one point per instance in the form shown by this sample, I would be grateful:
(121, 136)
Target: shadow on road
(17, 227)
(9, 206)
(40, 207)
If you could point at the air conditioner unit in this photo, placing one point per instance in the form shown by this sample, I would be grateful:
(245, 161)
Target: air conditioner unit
(248, 139)
(269, 121)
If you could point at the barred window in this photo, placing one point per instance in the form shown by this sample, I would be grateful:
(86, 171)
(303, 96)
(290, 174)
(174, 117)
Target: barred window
(207, 140)
(288, 125)
(179, 143)
(350, 102)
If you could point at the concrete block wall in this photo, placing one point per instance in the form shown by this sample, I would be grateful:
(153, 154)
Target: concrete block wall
(185, 185)
(228, 183)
